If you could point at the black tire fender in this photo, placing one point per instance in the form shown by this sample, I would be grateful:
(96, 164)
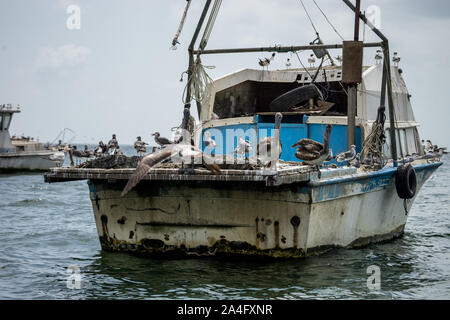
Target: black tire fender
(406, 182)
(294, 97)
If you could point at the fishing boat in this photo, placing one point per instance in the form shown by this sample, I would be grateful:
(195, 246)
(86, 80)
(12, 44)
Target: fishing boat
(295, 209)
(23, 153)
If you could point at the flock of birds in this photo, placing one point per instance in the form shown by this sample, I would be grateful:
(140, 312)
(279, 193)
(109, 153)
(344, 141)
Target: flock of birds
(265, 62)
(269, 150)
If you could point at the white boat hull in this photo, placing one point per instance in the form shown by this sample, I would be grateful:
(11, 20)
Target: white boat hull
(297, 220)
(33, 161)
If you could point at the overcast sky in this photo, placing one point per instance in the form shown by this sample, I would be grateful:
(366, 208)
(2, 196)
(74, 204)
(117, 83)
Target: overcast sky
(116, 73)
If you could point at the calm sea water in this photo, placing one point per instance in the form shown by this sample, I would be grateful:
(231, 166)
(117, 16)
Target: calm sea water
(45, 228)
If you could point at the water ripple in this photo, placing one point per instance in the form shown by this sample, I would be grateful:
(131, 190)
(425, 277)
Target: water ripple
(50, 227)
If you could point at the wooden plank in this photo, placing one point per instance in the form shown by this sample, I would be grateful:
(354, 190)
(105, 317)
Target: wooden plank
(272, 178)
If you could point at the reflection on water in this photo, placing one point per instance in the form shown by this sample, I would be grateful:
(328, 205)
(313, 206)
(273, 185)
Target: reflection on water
(48, 227)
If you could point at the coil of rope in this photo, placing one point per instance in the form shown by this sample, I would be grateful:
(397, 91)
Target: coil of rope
(198, 83)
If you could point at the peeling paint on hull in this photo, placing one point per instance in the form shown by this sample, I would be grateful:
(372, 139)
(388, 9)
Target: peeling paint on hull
(206, 219)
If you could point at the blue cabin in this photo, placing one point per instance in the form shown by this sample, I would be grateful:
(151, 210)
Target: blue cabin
(243, 105)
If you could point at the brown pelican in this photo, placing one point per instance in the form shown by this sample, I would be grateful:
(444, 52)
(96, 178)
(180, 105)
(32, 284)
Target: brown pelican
(174, 150)
(78, 153)
(269, 149)
(87, 152)
(312, 152)
(161, 140)
(101, 149)
(347, 155)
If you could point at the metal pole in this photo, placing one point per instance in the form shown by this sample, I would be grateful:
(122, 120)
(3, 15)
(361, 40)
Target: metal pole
(352, 103)
(392, 129)
(363, 18)
(386, 81)
(284, 49)
(357, 11)
(191, 58)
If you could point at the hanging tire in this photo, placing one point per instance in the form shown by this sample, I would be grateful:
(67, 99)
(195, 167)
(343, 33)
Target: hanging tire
(294, 97)
(406, 182)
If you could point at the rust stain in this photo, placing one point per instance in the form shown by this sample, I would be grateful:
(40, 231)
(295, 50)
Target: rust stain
(175, 211)
(276, 226)
(295, 221)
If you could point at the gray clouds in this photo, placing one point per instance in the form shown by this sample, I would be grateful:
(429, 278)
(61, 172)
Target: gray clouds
(117, 73)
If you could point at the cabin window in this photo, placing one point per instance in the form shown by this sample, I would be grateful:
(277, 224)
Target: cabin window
(407, 142)
(251, 97)
(5, 120)
(403, 144)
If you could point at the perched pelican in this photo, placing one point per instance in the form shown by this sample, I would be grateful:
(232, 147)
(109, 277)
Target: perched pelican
(266, 62)
(396, 59)
(312, 152)
(378, 57)
(347, 155)
(209, 141)
(101, 149)
(161, 140)
(244, 147)
(311, 60)
(87, 152)
(181, 150)
(269, 149)
(78, 153)
(139, 146)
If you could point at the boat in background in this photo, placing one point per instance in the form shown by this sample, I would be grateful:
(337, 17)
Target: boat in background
(23, 153)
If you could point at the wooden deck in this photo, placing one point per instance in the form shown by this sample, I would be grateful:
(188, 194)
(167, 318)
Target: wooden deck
(291, 174)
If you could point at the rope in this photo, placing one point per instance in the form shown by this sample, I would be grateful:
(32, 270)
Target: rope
(198, 83)
(329, 22)
(309, 17)
(180, 28)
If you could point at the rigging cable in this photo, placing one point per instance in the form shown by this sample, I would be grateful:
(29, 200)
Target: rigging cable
(200, 80)
(309, 17)
(210, 24)
(328, 20)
